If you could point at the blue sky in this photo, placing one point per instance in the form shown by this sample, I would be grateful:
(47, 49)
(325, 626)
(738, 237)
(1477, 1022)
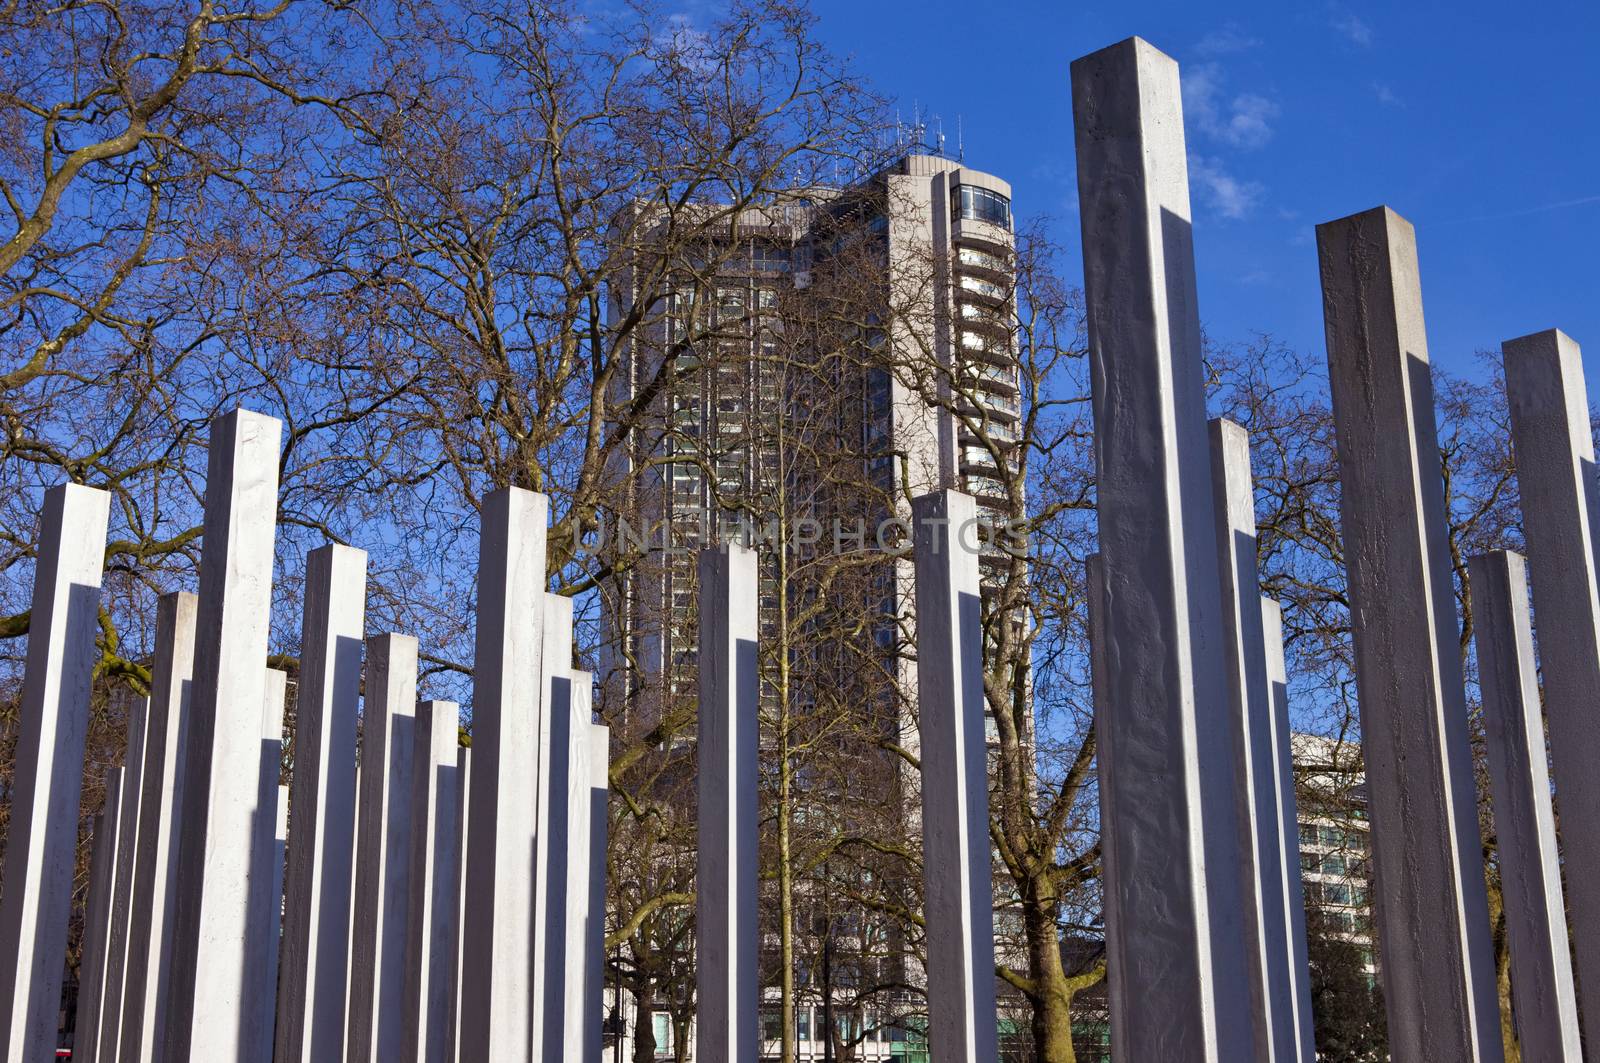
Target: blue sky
(1478, 122)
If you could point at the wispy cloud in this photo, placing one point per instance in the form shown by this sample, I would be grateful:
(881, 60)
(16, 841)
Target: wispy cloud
(1228, 195)
(1229, 40)
(1581, 201)
(1242, 121)
(1386, 95)
(1353, 27)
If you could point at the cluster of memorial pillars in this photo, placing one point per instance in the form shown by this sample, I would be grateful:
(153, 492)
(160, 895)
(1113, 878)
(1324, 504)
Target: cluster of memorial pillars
(1204, 918)
(396, 940)
(229, 917)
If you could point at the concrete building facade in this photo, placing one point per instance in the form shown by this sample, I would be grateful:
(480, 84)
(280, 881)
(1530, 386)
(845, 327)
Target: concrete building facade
(1335, 847)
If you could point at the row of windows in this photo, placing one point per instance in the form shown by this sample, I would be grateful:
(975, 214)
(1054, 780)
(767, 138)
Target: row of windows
(990, 486)
(980, 204)
(982, 287)
(984, 343)
(849, 1021)
(1008, 405)
(999, 431)
(971, 256)
(1347, 922)
(1334, 837)
(730, 306)
(1333, 864)
(985, 315)
(808, 1026)
(1342, 894)
(984, 372)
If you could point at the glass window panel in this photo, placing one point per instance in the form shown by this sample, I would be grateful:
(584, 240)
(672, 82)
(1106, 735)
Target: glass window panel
(983, 287)
(982, 204)
(971, 256)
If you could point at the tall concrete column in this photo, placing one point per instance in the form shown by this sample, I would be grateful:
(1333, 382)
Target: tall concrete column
(116, 959)
(726, 930)
(1432, 906)
(156, 849)
(497, 975)
(42, 839)
(958, 882)
(1250, 722)
(1524, 821)
(322, 809)
(463, 792)
(1287, 821)
(586, 1013)
(378, 1013)
(1554, 451)
(213, 987)
(551, 839)
(432, 905)
(92, 982)
(1171, 782)
(268, 857)
(584, 945)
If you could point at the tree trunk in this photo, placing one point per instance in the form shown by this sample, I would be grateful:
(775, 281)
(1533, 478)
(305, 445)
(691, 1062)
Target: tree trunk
(680, 1036)
(1502, 972)
(644, 1027)
(1052, 996)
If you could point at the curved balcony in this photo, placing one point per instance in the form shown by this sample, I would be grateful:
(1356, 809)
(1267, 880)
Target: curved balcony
(981, 235)
(982, 315)
(971, 286)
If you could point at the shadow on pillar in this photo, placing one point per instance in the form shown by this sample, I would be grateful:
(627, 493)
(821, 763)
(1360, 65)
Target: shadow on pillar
(746, 840)
(554, 879)
(594, 961)
(439, 940)
(50, 942)
(264, 904)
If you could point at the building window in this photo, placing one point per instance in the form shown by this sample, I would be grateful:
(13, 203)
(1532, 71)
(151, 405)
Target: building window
(661, 1026)
(971, 256)
(988, 289)
(980, 204)
(769, 258)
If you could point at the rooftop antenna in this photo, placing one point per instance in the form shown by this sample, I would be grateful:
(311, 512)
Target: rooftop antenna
(939, 136)
(961, 147)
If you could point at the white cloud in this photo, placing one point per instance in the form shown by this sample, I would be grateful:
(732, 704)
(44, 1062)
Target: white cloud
(1225, 41)
(1386, 95)
(1355, 29)
(1250, 124)
(1202, 84)
(1245, 121)
(1226, 194)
